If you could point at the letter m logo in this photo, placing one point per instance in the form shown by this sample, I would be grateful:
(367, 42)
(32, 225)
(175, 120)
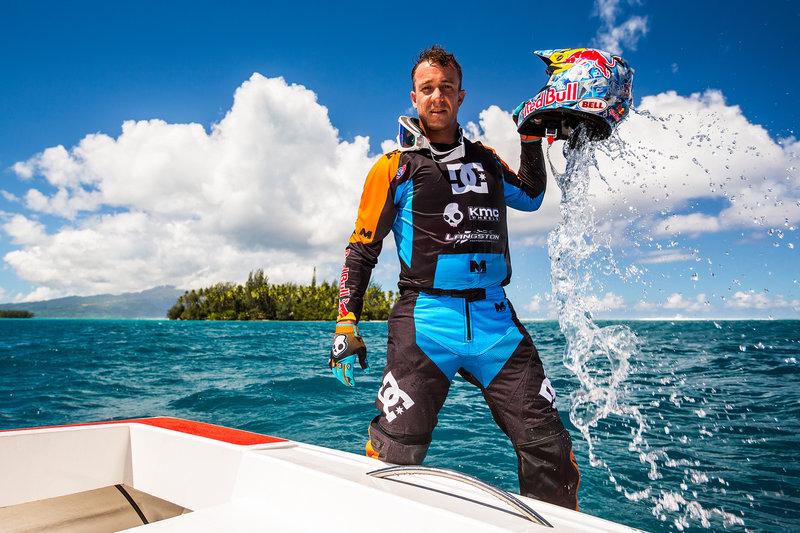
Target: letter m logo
(365, 233)
(480, 268)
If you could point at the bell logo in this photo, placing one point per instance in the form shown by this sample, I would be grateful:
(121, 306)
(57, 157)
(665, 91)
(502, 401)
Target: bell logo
(593, 105)
(480, 268)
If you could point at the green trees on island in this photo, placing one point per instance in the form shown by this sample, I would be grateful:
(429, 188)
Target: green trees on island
(257, 299)
(13, 313)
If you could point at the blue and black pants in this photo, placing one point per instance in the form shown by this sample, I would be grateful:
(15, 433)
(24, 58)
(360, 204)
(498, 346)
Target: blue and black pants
(476, 334)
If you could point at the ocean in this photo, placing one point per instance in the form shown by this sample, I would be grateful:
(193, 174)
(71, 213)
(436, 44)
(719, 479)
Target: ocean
(706, 436)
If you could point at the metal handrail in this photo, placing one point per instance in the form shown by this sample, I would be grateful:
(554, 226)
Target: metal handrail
(497, 492)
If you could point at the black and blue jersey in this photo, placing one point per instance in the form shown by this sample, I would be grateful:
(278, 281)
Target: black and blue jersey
(448, 216)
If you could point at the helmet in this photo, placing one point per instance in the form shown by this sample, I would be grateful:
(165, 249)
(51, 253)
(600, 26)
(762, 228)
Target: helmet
(586, 87)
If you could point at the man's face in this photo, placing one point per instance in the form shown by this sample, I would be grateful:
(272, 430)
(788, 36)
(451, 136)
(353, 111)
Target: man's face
(436, 97)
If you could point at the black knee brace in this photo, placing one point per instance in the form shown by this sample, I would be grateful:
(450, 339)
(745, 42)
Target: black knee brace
(396, 449)
(546, 466)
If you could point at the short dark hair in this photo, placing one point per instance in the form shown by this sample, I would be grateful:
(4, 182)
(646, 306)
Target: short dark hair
(438, 55)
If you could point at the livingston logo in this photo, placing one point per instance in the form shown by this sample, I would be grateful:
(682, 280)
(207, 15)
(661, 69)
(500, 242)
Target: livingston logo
(472, 236)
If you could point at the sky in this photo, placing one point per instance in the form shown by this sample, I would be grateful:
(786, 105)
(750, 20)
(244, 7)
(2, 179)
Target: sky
(188, 143)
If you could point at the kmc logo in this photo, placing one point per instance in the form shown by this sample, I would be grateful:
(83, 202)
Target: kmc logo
(467, 177)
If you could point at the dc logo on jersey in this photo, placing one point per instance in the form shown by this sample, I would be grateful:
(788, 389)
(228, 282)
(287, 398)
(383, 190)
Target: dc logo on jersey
(390, 394)
(467, 177)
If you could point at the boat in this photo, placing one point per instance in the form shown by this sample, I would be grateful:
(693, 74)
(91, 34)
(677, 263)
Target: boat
(173, 475)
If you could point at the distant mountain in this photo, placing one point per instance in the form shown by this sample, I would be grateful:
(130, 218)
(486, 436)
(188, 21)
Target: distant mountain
(152, 303)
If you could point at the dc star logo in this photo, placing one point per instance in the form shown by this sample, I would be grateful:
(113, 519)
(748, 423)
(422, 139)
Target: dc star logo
(390, 394)
(467, 177)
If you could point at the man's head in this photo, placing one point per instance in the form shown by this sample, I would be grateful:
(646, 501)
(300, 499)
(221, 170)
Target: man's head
(439, 56)
(436, 93)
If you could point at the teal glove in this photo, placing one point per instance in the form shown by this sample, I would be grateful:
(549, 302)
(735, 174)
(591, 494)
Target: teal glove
(347, 344)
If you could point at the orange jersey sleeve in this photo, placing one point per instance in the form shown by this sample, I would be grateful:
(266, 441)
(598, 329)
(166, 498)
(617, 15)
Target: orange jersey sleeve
(376, 214)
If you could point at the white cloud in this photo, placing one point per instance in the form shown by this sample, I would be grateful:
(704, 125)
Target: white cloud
(759, 300)
(270, 186)
(693, 223)
(665, 256)
(677, 301)
(616, 36)
(536, 305)
(9, 196)
(25, 231)
(609, 302)
(23, 169)
(39, 294)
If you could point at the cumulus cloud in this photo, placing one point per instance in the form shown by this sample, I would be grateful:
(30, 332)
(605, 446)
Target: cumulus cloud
(760, 300)
(609, 302)
(614, 36)
(665, 256)
(9, 196)
(537, 305)
(271, 185)
(678, 302)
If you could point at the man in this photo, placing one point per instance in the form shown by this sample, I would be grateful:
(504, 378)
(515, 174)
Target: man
(445, 199)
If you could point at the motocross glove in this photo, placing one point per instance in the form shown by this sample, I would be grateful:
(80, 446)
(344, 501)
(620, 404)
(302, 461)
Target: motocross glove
(515, 115)
(347, 344)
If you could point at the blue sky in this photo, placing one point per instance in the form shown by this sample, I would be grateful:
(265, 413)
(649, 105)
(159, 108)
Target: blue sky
(187, 143)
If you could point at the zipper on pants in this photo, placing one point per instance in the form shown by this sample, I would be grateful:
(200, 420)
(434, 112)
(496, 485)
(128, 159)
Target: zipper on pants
(468, 322)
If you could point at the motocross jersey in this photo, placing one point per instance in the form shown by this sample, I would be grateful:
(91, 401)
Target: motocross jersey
(447, 211)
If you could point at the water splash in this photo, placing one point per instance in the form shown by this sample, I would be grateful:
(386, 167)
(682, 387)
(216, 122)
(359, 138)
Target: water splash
(601, 357)
(598, 356)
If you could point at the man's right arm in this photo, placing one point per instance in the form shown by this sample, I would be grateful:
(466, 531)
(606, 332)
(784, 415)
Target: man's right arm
(376, 214)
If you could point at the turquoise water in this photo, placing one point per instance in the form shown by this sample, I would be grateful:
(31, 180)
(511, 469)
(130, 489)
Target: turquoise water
(718, 405)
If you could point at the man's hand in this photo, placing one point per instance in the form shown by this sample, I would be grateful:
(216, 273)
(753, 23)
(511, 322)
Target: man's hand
(515, 116)
(347, 344)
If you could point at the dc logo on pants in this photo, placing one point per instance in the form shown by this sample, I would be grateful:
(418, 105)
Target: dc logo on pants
(547, 391)
(389, 394)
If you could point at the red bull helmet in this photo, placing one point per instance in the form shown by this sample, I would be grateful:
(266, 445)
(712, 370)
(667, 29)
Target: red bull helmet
(586, 86)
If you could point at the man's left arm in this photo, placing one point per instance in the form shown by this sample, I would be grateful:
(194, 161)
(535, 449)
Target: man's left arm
(524, 190)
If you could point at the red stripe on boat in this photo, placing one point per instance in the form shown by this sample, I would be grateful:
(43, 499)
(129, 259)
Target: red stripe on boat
(189, 427)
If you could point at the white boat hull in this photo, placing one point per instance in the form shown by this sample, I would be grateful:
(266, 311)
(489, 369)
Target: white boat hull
(234, 481)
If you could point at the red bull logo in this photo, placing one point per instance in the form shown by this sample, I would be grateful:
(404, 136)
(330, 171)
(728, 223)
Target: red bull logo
(567, 58)
(551, 96)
